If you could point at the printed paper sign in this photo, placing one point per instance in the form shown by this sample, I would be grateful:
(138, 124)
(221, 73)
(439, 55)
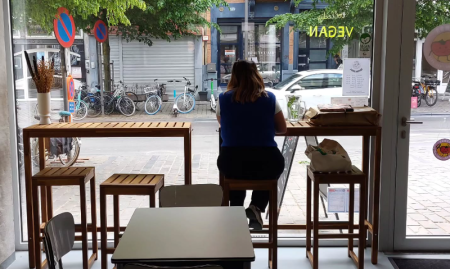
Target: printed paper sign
(339, 200)
(365, 47)
(230, 52)
(356, 78)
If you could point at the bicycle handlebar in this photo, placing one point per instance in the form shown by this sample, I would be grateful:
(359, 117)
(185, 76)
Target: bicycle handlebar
(210, 79)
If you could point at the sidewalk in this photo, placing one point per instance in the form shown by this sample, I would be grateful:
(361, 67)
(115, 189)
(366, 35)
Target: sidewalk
(441, 107)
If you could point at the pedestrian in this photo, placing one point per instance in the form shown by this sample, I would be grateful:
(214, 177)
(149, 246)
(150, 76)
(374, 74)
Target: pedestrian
(338, 61)
(249, 117)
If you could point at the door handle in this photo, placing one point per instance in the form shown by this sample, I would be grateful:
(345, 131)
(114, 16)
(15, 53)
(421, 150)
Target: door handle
(405, 121)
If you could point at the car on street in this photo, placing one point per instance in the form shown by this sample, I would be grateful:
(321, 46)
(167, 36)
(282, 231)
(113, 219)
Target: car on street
(314, 87)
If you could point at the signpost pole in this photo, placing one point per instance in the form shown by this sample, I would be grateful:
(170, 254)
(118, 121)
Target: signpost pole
(246, 31)
(62, 55)
(100, 76)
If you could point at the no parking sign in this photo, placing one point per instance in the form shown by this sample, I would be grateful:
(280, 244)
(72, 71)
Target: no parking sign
(64, 27)
(70, 93)
(100, 31)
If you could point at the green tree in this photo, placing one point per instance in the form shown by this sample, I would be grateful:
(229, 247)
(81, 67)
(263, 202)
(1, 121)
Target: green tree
(359, 14)
(141, 20)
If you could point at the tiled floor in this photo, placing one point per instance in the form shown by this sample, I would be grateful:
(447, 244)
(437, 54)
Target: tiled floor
(289, 258)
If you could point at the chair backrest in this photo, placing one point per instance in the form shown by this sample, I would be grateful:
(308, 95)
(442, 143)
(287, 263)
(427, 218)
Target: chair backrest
(142, 266)
(59, 236)
(191, 195)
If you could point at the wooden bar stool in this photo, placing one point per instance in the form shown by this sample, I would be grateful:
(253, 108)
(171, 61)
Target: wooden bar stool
(351, 178)
(66, 176)
(259, 185)
(124, 184)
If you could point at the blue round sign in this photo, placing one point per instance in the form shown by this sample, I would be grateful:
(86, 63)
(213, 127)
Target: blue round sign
(100, 31)
(64, 27)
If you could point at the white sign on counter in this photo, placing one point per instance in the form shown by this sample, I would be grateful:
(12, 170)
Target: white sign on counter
(356, 78)
(352, 101)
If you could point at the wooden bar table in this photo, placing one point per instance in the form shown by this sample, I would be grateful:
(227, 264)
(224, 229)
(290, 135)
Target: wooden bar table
(106, 129)
(366, 132)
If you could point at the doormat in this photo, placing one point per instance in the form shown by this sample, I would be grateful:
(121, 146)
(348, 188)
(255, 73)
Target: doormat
(399, 263)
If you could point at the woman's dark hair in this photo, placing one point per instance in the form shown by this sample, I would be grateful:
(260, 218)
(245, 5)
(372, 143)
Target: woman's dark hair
(337, 56)
(246, 82)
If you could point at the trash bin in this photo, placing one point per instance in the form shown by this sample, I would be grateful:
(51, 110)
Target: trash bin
(203, 95)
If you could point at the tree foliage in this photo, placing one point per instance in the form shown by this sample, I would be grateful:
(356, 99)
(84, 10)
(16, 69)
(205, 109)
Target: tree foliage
(359, 14)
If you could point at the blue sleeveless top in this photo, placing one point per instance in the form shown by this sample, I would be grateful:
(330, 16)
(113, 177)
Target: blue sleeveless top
(249, 124)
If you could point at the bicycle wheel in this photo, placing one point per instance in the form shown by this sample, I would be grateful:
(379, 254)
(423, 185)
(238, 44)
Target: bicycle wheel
(94, 106)
(419, 100)
(69, 158)
(109, 104)
(153, 104)
(81, 110)
(185, 103)
(431, 97)
(126, 106)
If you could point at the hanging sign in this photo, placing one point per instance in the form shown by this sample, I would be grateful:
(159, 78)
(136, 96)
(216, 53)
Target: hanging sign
(365, 46)
(100, 31)
(64, 27)
(70, 93)
(437, 47)
(356, 77)
(441, 150)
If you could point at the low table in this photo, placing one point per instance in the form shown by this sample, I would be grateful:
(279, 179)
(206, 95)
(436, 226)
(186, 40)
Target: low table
(187, 236)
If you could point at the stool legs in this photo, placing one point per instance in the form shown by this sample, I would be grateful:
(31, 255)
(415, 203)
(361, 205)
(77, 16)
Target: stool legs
(116, 220)
(94, 219)
(308, 216)
(316, 226)
(37, 226)
(49, 202)
(83, 225)
(103, 224)
(274, 229)
(362, 228)
(351, 216)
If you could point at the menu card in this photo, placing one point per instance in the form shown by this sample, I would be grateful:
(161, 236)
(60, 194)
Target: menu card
(356, 77)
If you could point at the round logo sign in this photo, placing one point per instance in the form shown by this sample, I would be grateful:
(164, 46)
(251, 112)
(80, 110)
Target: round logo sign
(437, 47)
(64, 27)
(441, 149)
(365, 38)
(100, 31)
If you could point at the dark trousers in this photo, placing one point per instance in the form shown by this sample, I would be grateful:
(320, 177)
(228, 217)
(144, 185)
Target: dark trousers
(263, 163)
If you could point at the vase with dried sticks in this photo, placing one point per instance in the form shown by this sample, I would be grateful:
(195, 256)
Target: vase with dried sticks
(42, 76)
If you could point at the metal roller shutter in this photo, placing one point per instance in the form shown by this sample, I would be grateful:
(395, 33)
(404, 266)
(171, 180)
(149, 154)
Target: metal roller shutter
(141, 64)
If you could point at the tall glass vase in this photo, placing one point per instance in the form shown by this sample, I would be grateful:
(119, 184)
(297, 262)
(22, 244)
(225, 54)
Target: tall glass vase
(294, 108)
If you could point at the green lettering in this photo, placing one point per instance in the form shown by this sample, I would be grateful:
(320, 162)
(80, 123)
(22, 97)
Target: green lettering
(341, 31)
(311, 32)
(332, 31)
(349, 34)
(323, 31)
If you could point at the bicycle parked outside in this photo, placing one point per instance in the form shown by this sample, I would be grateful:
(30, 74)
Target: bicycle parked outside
(185, 102)
(64, 151)
(153, 102)
(111, 100)
(425, 89)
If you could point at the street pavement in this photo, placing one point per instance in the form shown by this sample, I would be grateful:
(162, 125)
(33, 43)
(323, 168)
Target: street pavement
(428, 189)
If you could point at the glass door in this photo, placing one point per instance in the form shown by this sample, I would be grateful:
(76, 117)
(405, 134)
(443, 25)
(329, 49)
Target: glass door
(422, 196)
(312, 52)
(230, 50)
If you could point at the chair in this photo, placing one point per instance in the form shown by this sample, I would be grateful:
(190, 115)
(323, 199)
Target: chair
(260, 185)
(351, 178)
(140, 266)
(124, 184)
(66, 176)
(59, 236)
(191, 196)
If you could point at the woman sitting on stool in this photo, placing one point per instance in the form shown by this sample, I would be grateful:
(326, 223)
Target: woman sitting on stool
(249, 117)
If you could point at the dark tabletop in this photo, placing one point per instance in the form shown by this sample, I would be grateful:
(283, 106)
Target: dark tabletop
(189, 234)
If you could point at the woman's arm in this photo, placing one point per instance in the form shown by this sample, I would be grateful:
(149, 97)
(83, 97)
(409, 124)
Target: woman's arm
(218, 110)
(280, 123)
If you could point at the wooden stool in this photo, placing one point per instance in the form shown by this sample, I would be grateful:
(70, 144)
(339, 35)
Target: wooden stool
(66, 176)
(259, 185)
(351, 178)
(124, 184)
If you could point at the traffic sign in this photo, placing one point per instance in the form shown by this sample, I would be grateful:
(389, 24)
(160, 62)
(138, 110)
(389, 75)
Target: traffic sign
(70, 93)
(64, 27)
(100, 31)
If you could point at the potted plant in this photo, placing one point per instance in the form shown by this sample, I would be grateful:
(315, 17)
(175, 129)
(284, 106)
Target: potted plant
(42, 76)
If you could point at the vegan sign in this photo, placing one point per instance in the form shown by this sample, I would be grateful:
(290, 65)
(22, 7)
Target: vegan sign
(330, 32)
(437, 47)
